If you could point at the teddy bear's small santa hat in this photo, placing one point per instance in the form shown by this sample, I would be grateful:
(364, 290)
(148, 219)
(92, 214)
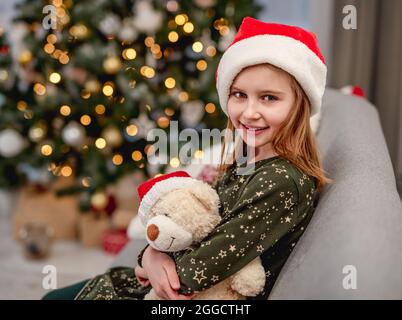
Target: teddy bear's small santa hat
(293, 49)
(152, 190)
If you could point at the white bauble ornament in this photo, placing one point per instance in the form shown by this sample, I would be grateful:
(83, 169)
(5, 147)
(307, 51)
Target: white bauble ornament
(73, 134)
(11, 143)
(147, 19)
(128, 31)
(110, 25)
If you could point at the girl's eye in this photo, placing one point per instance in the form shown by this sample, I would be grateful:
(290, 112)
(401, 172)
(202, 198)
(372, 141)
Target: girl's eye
(165, 214)
(270, 97)
(237, 94)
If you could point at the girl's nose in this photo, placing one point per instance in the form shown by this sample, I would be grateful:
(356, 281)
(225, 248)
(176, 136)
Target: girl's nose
(251, 111)
(152, 232)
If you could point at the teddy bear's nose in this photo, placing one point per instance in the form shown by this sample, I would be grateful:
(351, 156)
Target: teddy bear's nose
(152, 232)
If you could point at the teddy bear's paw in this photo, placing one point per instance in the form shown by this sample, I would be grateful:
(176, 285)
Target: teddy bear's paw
(250, 280)
(151, 295)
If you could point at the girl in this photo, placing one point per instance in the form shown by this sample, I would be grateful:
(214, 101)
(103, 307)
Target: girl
(270, 81)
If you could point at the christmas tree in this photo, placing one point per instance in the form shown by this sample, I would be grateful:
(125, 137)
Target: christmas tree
(95, 77)
(12, 143)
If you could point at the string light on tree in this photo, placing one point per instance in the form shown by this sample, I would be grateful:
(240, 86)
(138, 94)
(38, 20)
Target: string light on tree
(170, 83)
(188, 27)
(117, 159)
(39, 89)
(107, 89)
(65, 110)
(129, 54)
(181, 19)
(197, 46)
(136, 155)
(100, 143)
(85, 120)
(131, 130)
(147, 72)
(66, 171)
(100, 109)
(210, 107)
(46, 150)
(173, 36)
(163, 122)
(54, 77)
(202, 65)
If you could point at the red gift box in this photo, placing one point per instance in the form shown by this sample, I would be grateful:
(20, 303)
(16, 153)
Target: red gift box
(114, 241)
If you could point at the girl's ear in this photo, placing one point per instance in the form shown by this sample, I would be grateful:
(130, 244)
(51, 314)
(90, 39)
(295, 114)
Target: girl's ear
(205, 194)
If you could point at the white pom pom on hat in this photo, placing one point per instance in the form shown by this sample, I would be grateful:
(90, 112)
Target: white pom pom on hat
(290, 48)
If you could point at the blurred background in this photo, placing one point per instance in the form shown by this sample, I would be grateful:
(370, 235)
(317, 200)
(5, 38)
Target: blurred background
(83, 82)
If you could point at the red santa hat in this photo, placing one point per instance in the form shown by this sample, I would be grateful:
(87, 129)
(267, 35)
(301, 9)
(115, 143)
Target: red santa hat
(152, 190)
(293, 49)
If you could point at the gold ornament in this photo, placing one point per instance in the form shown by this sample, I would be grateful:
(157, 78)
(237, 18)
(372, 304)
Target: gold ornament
(112, 64)
(79, 31)
(25, 57)
(99, 200)
(38, 131)
(112, 136)
(92, 86)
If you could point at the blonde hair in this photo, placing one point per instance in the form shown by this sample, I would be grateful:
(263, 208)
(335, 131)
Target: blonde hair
(294, 140)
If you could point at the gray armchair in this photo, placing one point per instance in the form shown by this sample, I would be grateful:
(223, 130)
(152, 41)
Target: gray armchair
(352, 248)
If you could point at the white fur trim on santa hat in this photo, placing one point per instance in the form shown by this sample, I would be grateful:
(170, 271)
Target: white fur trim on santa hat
(158, 190)
(284, 52)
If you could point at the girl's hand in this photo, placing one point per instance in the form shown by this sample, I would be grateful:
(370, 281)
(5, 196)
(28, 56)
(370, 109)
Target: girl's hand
(161, 272)
(142, 276)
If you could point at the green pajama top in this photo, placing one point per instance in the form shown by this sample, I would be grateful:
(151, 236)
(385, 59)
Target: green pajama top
(263, 214)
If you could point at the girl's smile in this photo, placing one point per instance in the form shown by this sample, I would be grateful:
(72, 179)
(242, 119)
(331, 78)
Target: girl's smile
(250, 129)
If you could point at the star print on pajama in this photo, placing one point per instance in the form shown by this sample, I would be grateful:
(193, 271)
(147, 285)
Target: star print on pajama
(263, 214)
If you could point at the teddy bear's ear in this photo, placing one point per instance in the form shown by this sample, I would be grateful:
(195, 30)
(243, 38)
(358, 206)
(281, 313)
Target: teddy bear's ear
(205, 194)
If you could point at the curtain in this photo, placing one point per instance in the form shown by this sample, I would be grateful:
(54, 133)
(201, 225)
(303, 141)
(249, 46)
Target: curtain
(371, 57)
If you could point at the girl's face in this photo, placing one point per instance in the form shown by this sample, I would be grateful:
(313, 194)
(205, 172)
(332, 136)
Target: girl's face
(261, 98)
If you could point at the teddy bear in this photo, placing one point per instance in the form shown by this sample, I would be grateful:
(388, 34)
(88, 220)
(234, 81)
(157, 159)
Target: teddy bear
(178, 212)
